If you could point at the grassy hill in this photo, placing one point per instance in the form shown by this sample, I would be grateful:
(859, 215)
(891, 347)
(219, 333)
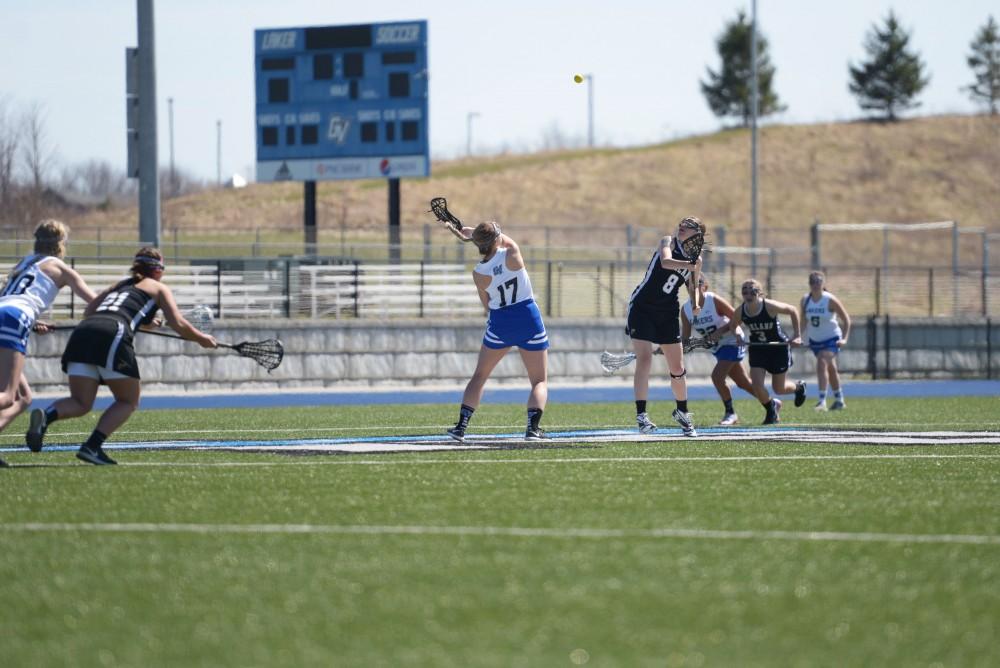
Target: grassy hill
(926, 169)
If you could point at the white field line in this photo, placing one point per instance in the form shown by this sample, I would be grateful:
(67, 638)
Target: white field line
(510, 532)
(396, 461)
(6, 439)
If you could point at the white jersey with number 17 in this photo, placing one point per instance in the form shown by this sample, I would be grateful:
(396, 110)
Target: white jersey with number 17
(506, 287)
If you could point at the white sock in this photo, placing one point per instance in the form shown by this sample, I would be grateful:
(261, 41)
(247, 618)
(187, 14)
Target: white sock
(822, 396)
(838, 395)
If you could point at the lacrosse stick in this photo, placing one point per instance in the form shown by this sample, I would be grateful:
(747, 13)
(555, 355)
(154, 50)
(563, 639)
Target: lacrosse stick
(694, 245)
(267, 353)
(439, 207)
(200, 316)
(611, 362)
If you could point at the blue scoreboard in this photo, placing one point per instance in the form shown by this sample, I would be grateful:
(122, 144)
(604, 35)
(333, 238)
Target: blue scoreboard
(342, 102)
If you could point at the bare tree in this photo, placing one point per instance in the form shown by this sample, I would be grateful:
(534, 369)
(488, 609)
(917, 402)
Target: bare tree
(183, 183)
(38, 156)
(10, 135)
(97, 180)
(555, 139)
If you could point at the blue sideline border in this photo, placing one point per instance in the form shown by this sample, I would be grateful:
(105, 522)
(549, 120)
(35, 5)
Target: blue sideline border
(557, 394)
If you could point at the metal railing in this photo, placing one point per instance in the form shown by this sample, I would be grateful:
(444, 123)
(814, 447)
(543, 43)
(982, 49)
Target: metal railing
(322, 287)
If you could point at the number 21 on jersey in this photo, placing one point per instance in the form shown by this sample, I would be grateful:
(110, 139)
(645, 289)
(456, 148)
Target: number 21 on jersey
(113, 301)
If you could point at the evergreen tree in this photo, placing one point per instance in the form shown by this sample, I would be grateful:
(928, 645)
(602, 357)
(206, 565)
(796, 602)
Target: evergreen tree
(985, 64)
(728, 91)
(893, 76)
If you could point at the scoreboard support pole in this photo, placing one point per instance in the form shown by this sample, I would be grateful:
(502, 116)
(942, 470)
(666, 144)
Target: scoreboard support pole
(394, 235)
(309, 216)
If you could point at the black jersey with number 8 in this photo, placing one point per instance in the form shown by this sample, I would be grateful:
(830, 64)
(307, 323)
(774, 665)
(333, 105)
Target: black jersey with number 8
(659, 287)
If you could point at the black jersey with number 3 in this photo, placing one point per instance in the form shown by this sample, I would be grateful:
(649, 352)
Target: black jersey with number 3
(659, 287)
(763, 327)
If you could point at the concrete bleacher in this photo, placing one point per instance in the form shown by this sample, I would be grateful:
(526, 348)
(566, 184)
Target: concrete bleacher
(239, 295)
(313, 291)
(377, 290)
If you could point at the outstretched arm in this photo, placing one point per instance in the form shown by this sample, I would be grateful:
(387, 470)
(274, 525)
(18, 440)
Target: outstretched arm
(177, 322)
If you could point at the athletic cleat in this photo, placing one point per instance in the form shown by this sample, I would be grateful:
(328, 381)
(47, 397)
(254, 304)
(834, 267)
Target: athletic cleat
(684, 420)
(800, 393)
(536, 435)
(3, 464)
(774, 417)
(457, 433)
(646, 425)
(838, 405)
(36, 430)
(729, 419)
(820, 406)
(96, 456)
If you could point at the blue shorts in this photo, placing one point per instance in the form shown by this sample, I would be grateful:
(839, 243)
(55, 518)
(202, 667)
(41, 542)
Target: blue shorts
(517, 325)
(15, 327)
(829, 344)
(730, 353)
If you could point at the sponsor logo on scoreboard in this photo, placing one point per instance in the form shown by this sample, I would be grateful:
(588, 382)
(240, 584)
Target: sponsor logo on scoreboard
(342, 168)
(338, 129)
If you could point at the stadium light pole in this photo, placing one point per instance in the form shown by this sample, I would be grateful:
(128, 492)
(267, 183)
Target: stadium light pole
(754, 105)
(173, 173)
(149, 177)
(468, 131)
(218, 152)
(590, 109)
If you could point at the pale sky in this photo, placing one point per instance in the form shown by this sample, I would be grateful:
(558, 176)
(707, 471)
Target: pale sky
(511, 62)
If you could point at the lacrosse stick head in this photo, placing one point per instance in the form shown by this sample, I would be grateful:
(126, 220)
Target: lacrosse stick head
(611, 362)
(439, 207)
(697, 344)
(694, 244)
(267, 353)
(201, 317)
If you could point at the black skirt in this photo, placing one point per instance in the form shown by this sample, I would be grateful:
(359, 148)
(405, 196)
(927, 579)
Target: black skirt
(105, 342)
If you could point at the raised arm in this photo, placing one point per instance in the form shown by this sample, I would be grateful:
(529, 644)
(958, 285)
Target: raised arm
(465, 234)
(668, 262)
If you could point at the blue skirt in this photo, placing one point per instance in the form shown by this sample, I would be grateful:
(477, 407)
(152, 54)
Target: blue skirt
(517, 325)
(15, 328)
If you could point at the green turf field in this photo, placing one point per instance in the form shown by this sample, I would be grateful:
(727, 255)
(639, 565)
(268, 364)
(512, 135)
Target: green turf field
(619, 554)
